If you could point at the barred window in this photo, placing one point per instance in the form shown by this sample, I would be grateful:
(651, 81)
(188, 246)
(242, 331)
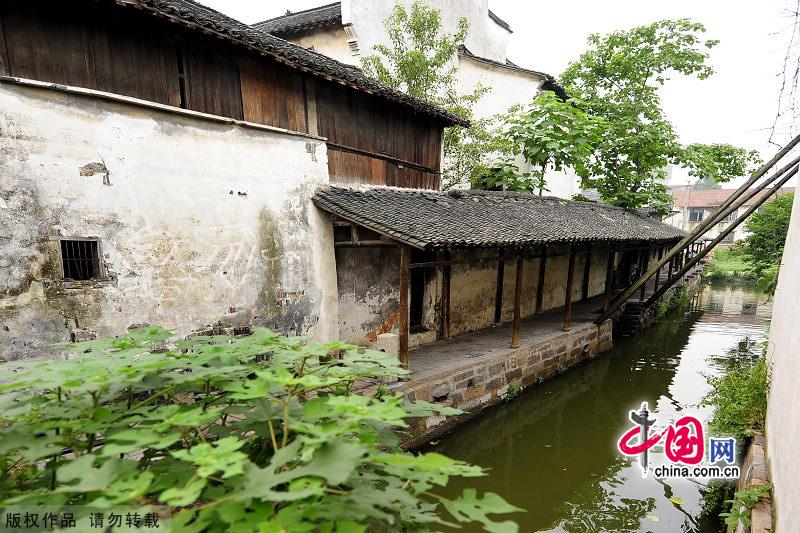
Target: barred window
(80, 259)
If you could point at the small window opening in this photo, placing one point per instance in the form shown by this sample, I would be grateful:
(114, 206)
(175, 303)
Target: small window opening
(365, 234)
(342, 233)
(180, 58)
(417, 300)
(732, 216)
(696, 214)
(80, 259)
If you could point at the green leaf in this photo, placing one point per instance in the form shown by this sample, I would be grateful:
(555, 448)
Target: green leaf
(469, 508)
(183, 496)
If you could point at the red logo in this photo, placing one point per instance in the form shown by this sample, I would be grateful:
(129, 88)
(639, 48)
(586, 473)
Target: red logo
(684, 441)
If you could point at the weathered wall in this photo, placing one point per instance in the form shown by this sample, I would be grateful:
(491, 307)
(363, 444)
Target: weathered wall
(473, 287)
(783, 423)
(472, 291)
(369, 295)
(478, 385)
(200, 221)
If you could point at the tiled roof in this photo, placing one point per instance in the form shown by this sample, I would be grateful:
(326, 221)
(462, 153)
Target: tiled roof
(293, 24)
(196, 15)
(712, 197)
(431, 219)
(549, 84)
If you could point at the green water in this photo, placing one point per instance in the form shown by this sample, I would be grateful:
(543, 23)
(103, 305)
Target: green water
(552, 450)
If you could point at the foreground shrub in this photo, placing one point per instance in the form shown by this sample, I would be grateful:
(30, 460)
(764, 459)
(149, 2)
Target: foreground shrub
(261, 433)
(739, 398)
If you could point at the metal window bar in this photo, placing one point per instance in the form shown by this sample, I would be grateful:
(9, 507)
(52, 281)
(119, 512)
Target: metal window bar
(80, 259)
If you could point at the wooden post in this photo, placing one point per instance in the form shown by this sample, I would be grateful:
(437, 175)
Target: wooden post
(498, 298)
(587, 267)
(609, 278)
(540, 286)
(446, 295)
(671, 267)
(658, 272)
(645, 262)
(405, 262)
(568, 294)
(517, 302)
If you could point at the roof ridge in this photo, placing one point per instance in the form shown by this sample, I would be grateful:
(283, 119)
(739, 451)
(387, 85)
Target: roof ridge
(456, 193)
(302, 11)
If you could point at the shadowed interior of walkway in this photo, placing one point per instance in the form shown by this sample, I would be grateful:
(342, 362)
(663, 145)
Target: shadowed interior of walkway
(468, 348)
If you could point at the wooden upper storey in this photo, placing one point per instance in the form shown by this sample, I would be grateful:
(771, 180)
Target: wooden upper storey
(101, 46)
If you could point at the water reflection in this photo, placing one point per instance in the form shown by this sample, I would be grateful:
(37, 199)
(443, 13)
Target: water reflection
(552, 450)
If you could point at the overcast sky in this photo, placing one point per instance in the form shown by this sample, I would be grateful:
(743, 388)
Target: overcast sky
(737, 105)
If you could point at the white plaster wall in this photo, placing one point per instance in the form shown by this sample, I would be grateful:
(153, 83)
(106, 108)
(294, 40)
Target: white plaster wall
(508, 87)
(367, 17)
(783, 422)
(332, 43)
(200, 222)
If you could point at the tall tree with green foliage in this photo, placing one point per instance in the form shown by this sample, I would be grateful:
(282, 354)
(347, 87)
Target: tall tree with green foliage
(551, 134)
(619, 78)
(421, 60)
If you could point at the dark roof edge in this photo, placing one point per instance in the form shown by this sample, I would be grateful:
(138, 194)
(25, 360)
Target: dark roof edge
(500, 22)
(549, 84)
(293, 13)
(336, 209)
(211, 21)
(303, 22)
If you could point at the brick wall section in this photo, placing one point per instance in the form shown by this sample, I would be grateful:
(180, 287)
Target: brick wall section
(474, 387)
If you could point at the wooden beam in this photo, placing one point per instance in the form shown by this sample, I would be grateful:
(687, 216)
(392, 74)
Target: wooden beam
(405, 261)
(587, 268)
(517, 303)
(724, 233)
(742, 195)
(609, 279)
(540, 285)
(498, 297)
(568, 294)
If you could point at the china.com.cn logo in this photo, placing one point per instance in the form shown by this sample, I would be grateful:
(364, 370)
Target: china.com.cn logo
(684, 447)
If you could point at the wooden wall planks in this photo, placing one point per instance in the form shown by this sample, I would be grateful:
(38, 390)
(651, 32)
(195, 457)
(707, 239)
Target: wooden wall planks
(272, 95)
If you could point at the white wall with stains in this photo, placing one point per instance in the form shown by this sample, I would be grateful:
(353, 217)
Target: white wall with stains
(783, 353)
(200, 221)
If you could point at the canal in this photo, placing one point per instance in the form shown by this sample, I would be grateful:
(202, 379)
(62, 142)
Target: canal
(552, 450)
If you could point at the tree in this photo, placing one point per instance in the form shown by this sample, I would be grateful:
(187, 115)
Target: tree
(618, 78)
(718, 163)
(552, 134)
(256, 433)
(420, 59)
(763, 248)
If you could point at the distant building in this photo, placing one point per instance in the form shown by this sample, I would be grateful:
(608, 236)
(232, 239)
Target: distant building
(690, 207)
(349, 30)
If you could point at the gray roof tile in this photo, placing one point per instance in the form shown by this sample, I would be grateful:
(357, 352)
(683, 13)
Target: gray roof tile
(293, 24)
(431, 219)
